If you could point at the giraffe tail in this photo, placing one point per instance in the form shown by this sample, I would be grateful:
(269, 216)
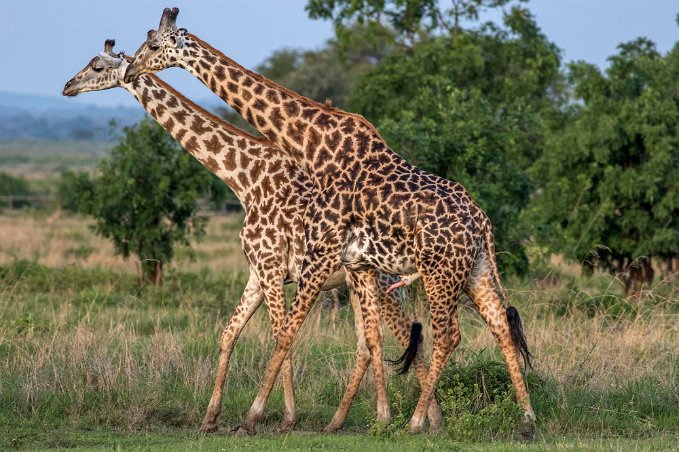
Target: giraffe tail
(513, 318)
(411, 351)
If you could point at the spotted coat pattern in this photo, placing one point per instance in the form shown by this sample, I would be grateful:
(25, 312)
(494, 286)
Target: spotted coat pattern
(370, 209)
(274, 193)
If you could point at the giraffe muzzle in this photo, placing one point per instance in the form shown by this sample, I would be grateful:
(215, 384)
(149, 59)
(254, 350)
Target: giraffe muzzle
(130, 73)
(69, 90)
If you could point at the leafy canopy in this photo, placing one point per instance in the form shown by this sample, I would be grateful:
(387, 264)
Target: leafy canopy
(409, 19)
(610, 191)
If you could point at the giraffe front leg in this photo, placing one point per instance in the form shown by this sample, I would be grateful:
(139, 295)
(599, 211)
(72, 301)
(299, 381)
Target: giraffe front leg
(251, 299)
(364, 283)
(400, 325)
(362, 363)
(442, 290)
(314, 272)
(274, 293)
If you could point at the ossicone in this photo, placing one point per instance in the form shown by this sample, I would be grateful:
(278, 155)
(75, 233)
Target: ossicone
(108, 45)
(169, 18)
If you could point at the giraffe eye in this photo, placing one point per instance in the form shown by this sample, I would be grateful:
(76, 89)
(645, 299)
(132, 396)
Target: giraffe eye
(155, 48)
(97, 68)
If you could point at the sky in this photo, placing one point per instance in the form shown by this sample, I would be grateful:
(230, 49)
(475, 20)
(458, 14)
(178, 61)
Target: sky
(45, 42)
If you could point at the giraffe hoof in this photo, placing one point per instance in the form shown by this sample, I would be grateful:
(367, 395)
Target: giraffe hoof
(528, 432)
(434, 426)
(331, 428)
(286, 425)
(243, 431)
(208, 427)
(435, 419)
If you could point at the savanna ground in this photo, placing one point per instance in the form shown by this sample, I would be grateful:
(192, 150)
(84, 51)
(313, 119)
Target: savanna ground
(90, 360)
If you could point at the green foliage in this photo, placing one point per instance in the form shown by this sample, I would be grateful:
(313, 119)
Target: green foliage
(478, 403)
(512, 67)
(410, 19)
(473, 419)
(15, 186)
(610, 192)
(75, 191)
(330, 72)
(145, 197)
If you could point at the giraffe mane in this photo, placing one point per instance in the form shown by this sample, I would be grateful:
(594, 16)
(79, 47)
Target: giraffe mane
(292, 94)
(211, 116)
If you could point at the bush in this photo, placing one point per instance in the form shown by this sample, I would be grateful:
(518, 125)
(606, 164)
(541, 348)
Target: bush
(145, 198)
(478, 403)
(75, 191)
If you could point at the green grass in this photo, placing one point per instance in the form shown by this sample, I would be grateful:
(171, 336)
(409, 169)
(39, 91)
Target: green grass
(188, 440)
(89, 359)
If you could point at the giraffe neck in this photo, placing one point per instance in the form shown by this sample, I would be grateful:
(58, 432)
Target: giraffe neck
(310, 132)
(233, 155)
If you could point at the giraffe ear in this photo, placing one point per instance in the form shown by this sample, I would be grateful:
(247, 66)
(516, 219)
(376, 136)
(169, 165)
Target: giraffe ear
(108, 57)
(169, 18)
(108, 45)
(150, 34)
(180, 38)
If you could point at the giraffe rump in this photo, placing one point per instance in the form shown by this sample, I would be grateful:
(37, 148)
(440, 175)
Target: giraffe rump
(519, 339)
(408, 356)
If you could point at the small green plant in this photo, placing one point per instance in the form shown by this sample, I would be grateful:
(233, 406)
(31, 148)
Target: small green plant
(399, 421)
(479, 408)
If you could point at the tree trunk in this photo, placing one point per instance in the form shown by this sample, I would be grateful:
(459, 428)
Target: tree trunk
(637, 274)
(151, 272)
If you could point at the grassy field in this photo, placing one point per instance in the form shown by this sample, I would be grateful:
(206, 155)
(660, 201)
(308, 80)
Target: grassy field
(89, 359)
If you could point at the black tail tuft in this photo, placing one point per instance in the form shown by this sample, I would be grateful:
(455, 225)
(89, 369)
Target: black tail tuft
(516, 331)
(411, 351)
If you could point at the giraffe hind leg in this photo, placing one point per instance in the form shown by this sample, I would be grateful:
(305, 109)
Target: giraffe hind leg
(442, 292)
(397, 321)
(505, 326)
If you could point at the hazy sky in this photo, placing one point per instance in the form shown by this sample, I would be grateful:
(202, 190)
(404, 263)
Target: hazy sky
(45, 42)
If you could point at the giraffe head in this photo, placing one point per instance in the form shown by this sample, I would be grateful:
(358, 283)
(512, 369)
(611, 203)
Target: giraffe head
(162, 48)
(104, 71)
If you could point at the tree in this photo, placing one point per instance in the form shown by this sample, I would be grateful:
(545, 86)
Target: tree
(145, 197)
(330, 72)
(609, 188)
(409, 19)
(14, 186)
(471, 108)
(10, 185)
(75, 191)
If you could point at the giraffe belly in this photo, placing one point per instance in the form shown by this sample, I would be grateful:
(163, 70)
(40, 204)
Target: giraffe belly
(359, 253)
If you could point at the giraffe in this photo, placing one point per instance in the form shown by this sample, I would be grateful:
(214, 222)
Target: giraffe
(274, 193)
(371, 209)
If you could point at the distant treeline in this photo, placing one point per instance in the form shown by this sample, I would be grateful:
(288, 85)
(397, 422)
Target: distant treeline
(47, 118)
